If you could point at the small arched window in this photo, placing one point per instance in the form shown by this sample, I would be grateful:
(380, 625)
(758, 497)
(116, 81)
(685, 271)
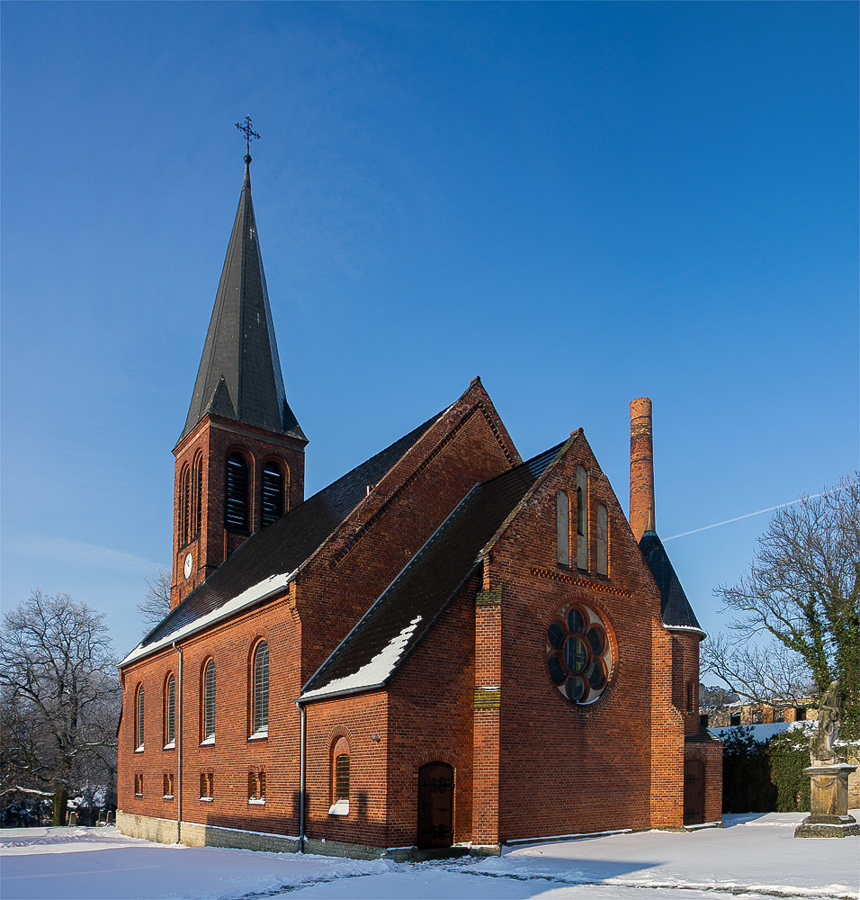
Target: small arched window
(196, 494)
(236, 513)
(562, 516)
(139, 723)
(260, 690)
(340, 778)
(273, 493)
(581, 518)
(184, 510)
(691, 696)
(170, 713)
(209, 702)
(602, 540)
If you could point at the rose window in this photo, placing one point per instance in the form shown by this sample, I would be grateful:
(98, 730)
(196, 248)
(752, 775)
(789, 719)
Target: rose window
(579, 653)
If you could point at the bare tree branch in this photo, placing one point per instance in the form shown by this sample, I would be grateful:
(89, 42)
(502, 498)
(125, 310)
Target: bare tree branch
(797, 609)
(156, 605)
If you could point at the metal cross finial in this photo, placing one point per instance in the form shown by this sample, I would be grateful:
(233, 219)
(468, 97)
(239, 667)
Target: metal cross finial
(248, 132)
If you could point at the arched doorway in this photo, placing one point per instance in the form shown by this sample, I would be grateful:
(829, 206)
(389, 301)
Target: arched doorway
(694, 792)
(435, 805)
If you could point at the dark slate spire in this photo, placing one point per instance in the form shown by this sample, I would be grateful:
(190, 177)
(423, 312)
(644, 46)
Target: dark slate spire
(675, 608)
(240, 373)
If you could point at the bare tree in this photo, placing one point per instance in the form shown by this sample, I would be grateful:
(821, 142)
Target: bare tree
(156, 605)
(797, 610)
(59, 698)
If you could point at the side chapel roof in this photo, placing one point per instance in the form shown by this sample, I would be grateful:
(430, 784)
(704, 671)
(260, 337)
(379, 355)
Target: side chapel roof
(240, 377)
(409, 607)
(675, 609)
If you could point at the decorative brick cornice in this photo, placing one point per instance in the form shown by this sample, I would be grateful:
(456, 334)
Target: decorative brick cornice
(489, 598)
(554, 575)
(488, 697)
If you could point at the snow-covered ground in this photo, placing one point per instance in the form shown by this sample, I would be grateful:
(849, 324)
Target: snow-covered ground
(754, 856)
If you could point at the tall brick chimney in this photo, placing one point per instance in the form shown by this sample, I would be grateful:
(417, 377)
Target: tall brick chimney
(641, 468)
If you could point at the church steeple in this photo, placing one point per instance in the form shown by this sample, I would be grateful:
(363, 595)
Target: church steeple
(240, 377)
(240, 457)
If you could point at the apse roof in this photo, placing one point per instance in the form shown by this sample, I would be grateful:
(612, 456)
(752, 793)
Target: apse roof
(239, 376)
(412, 603)
(675, 608)
(268, 557)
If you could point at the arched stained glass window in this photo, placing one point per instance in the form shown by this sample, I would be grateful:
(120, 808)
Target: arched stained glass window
(209, 701)
(237, 513)
(273, 493)
(170, 712)
(260, 700)
(139, 723)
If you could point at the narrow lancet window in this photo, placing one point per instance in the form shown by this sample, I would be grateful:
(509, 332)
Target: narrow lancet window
(562, 512)
(581, 518)
(140, 709)
(170, 713)
(209, 702)
(261, 689)
(602, 540)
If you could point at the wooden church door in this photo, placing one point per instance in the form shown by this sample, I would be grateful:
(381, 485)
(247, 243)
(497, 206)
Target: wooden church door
(694, 792)
(435, 805)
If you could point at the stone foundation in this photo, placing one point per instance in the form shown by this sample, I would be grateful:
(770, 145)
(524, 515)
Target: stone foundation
(828, 815)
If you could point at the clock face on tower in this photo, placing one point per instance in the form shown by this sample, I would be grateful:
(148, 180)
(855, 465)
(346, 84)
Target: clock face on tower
(189, 565)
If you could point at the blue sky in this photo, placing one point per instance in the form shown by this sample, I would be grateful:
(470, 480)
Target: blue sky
(582, 203)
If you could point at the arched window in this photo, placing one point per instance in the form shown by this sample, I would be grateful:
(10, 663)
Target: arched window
(602, 540)
(139, 723)
(209, 702)
(691, 696)
(170, 713)
(581, 518)
(196, 494)
(260, 690)
(340, 778)
(184, 510)
(562, 515)
(236, 514)
(273, 493)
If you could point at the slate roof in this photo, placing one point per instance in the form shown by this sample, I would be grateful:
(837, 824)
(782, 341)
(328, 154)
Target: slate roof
(240, 377)
(408, 608)
(283, 546)
(675, 608)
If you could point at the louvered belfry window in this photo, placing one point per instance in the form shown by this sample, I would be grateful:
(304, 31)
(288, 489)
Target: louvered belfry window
(273, 494)
(184, 506)
(197, 494)
(236, 515)
(261, 688)
(140, 706)
(209, 702)
(170, 712)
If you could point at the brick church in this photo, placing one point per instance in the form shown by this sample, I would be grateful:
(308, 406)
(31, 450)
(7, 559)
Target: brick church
(445, 646)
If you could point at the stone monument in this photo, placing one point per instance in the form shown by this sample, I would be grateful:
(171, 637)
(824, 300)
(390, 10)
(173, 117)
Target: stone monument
(828, 816)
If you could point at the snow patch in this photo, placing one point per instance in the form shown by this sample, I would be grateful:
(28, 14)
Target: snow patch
(373, 673)
(266, 588)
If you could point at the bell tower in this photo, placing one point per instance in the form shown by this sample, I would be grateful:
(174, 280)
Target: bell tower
(241, 455)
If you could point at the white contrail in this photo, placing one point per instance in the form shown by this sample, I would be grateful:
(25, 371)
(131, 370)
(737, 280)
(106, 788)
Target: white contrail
(758, 512)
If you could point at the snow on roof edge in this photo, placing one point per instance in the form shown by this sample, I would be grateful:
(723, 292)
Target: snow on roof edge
(261, 591)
